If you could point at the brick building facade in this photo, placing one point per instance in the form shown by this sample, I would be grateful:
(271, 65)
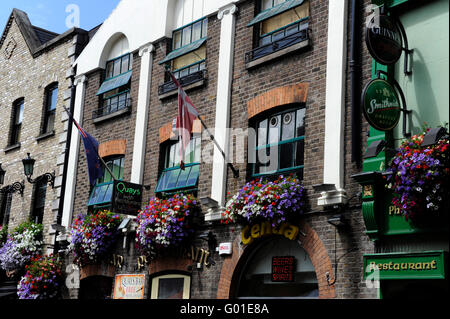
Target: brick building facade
(293, 76)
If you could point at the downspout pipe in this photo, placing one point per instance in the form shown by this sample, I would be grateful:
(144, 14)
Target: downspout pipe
(67, 150)
(355, 90)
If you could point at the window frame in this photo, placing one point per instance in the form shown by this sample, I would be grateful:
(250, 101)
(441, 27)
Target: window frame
(47, 111)
(102, 182)
(193, 162)
(39, 195)
(112, 61)
(186, 284)
(16, 128)
(295, 108)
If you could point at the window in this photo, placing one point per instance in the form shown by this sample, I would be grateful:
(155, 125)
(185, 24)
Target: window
(115, 90)
(173, 178)
(40, 190)
(280, 143)
(172, 286)
(16, 125)
(102, 192)
(279, 25)
(51, 96)
(5, 208)
(187, 59)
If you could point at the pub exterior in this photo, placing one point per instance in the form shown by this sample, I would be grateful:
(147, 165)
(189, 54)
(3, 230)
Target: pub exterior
(409, 226)
(282, 190)
(260, 75)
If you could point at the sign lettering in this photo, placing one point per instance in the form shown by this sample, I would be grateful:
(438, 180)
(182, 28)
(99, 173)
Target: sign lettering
(250, 233)
(126, 198)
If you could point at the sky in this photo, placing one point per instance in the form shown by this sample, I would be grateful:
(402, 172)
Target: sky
(51, 14)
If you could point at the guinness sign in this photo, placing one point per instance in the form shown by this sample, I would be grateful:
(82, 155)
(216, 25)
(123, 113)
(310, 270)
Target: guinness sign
(384, 39)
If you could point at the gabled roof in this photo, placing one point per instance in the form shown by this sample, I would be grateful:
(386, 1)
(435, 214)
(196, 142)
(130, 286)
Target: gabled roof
(37, 39)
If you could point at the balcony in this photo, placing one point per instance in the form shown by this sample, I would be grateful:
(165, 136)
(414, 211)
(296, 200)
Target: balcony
(112, 108)
(288, 39)
(190, 81)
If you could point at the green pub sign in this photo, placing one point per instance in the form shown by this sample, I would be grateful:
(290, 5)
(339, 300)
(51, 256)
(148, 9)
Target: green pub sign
(381, 105)
(423, 265)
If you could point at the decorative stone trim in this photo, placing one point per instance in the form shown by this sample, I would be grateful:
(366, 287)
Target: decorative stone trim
(115, 147)
(296, 93)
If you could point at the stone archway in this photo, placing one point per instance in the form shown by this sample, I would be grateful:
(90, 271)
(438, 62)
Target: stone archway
(312, 245)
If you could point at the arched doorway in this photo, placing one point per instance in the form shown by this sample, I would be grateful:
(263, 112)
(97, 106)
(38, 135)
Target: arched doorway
(255, 277)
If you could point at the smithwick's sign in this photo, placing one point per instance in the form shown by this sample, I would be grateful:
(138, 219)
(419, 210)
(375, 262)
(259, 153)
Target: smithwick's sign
(381, 105)
(126, 198)
(423, 265)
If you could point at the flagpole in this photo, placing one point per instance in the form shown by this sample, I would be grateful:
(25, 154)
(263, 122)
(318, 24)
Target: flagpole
(233, 169)
(96, 151)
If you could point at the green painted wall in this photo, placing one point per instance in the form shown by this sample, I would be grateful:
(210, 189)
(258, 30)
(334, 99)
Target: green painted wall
(426, 89)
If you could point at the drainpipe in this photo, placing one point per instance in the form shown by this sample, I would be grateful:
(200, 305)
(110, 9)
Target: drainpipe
(67, 151)
(355, 91)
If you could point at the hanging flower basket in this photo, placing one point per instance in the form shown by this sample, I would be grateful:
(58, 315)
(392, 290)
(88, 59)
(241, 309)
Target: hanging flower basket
(282, 200)
(94, 236)
(20, 247)
(420, 178)
(43, 279)
(165, 223)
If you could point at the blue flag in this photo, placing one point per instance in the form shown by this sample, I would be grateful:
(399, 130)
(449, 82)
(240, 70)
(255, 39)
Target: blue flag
(92, 157)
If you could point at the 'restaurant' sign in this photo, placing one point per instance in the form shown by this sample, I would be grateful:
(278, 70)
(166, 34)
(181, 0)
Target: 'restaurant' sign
(383, 39)
(381, 105)
(126, 198)
(283, 268)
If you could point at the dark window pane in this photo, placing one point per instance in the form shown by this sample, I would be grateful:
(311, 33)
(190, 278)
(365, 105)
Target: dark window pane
(52, 99)
(170, 288)
(50, 122)
(286, 155)
(177, 40)
(299, 153)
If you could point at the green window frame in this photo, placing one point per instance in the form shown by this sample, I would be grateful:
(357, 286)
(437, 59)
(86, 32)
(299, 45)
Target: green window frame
(173, 178)
(118, 66)
(283, 132)
(101, 193)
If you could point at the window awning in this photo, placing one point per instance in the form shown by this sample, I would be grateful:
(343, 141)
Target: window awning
(101, 194)
(115, 82)
(183, 50)
(176, 178)
(278, 9)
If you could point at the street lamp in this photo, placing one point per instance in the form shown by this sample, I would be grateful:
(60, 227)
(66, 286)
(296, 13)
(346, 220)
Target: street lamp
(28, 167)
(16, 187)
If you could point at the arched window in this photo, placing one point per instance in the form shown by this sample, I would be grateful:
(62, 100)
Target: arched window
(259, 279)
(280, 142)
(115, 90)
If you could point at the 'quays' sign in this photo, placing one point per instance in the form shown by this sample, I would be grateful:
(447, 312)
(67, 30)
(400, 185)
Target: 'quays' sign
(250, 233)
(126, 198)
